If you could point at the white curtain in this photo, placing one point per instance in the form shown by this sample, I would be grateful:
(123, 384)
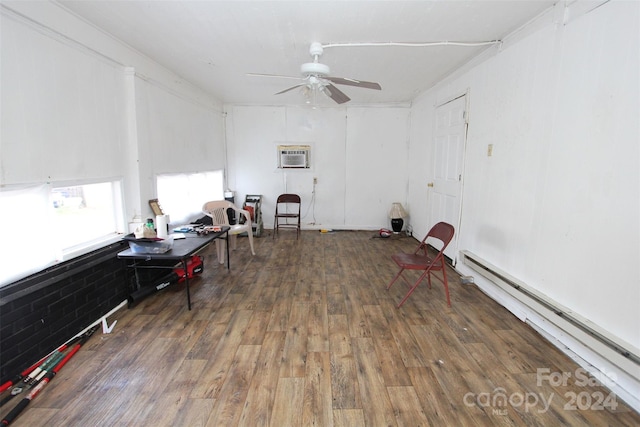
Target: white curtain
(28, 242)
(181, 196)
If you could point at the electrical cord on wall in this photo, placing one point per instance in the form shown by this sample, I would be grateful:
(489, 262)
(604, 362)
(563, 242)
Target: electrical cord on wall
(312, 205)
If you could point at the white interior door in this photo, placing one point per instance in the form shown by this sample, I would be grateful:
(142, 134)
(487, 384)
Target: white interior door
(446, 188)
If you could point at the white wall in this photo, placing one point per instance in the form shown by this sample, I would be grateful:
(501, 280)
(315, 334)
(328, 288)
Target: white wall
(358, 154)
(557, 205)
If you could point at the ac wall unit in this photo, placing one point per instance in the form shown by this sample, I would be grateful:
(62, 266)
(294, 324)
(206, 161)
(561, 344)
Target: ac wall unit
(294, 156)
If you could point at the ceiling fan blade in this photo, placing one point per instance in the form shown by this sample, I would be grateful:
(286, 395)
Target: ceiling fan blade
(354, 82)
(291, 88)
(336, 94)
(272, 75)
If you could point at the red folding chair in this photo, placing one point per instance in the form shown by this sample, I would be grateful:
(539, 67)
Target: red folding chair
(421, 259)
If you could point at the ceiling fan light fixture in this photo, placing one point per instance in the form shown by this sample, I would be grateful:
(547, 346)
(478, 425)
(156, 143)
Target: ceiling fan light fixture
(307, 93)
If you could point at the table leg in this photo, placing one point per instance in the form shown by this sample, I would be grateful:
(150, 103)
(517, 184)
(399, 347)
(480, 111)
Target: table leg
(127, 275)
(135, 273)
(186, 281)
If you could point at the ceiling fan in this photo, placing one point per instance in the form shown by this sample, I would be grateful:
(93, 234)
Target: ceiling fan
(316, 78)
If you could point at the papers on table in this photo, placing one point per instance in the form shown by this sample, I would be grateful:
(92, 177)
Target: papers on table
(187, 228)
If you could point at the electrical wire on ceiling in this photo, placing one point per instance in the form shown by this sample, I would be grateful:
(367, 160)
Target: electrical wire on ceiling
(416, 44)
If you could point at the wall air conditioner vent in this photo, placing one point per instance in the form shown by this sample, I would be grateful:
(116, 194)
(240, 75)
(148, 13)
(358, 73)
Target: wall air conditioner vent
(294, 156)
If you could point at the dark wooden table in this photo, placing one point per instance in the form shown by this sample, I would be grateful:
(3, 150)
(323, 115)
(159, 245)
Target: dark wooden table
(181, 252)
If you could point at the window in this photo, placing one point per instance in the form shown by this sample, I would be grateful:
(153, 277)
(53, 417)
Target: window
(88, 208)
(182, 195)
(47, 224)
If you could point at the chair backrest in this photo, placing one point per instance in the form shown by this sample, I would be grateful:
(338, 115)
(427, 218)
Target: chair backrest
(441, 231)
(288, 198)
(217, 210)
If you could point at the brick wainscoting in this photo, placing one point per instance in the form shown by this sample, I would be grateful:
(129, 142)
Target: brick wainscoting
(43, 311)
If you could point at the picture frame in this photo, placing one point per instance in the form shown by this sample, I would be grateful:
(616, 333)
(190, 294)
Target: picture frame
(155, 207)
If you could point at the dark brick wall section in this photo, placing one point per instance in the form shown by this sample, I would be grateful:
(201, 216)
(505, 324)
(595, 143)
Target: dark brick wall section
(43, 311)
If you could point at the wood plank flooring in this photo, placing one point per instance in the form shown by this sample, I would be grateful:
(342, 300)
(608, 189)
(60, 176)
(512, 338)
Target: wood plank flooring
(306, 334)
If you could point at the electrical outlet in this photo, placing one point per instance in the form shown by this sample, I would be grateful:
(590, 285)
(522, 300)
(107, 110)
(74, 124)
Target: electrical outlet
(489, 150)
(315, 180)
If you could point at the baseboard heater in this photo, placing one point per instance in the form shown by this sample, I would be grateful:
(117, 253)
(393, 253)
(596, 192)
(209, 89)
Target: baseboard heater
(508, 282)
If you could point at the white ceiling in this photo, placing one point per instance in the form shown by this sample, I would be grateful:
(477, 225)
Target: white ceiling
(214, 44)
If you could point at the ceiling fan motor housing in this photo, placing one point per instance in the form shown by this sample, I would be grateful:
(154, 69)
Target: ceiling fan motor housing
(315, 68)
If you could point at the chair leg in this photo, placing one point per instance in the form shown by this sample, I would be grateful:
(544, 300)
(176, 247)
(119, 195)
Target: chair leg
(395, 278)
(233, 241)
(221, 250)
(250, 234)
(413, 288)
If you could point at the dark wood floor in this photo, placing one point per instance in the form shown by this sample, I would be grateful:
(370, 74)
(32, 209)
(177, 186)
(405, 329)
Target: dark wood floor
(305, 334)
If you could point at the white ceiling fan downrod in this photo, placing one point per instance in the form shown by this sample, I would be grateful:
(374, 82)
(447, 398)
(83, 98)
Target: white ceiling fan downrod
(315, 68)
